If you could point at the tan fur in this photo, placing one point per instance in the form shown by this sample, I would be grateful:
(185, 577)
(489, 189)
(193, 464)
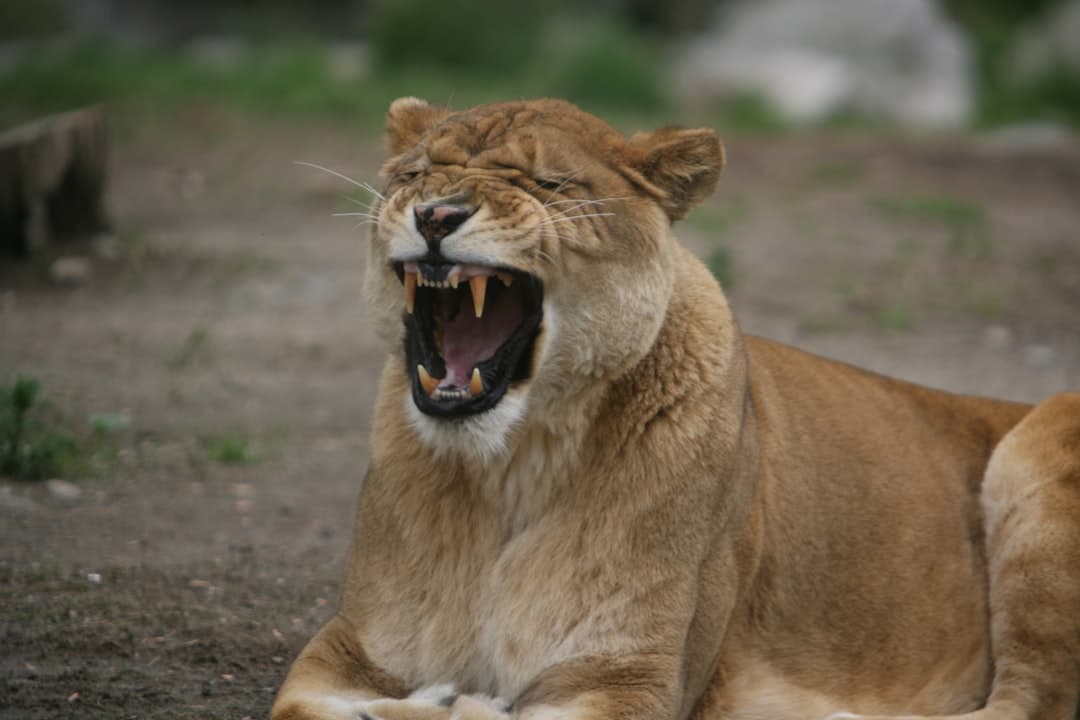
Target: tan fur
(668, 519)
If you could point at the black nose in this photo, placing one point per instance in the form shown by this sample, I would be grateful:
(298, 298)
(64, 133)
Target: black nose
(436, 220)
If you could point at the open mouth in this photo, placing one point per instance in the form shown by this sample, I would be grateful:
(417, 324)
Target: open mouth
(469, 333)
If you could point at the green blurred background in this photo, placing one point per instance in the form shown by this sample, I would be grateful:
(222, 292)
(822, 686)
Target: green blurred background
(348, 58)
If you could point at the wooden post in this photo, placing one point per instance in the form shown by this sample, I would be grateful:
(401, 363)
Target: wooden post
(52, 181)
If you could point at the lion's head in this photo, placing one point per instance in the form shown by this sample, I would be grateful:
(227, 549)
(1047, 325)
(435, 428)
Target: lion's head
(522, 252)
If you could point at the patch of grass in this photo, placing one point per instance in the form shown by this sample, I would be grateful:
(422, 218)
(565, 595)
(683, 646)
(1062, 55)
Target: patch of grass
(968, 223)
(606, 67)
(750, 113)
(133, 241)
(469, 35)
(972, 241)
(824, 322)
(196, 344)
(291, 78)
(993, 27)
(849, 287)
(1053, 96)
(988, 305)
(721, 263)
(930, 207)
(229, 449)
(894, 317)
(718, 220)
(835, 173)
(32, 444)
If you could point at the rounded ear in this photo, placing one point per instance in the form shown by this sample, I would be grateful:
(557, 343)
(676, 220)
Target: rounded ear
(682, 165)
(408, 120)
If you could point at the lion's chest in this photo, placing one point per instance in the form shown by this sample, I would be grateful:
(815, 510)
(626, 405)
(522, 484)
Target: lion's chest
(488, 621)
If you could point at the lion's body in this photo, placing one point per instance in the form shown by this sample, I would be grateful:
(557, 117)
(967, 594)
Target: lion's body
(700, 523)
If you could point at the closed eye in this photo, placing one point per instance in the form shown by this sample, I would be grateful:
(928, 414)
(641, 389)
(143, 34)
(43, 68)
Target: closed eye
(552, 185)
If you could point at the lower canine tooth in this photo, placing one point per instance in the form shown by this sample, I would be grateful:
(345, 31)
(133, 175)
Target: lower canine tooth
(427, 382)
(410, 291)
(478, 285)
(476, 385)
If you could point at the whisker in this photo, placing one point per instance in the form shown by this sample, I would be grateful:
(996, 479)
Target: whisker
(573, 200)
(561, 185)
(580, 203)
(597, 201)
(361, 203)
(356, 214)
(346, 178)
(571, 218)
(567, 211)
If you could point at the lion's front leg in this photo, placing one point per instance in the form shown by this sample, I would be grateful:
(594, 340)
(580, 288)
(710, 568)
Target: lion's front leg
(642, 686)
(333, 679)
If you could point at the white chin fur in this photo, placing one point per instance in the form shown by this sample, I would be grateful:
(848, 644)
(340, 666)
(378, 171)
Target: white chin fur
(480, 437)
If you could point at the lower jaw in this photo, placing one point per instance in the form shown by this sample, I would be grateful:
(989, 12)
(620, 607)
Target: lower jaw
(498, 376)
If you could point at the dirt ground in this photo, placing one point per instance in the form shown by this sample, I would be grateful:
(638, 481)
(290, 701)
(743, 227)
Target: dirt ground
(229, 305)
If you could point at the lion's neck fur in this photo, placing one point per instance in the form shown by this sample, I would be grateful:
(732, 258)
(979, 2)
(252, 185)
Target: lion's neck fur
(529, 449)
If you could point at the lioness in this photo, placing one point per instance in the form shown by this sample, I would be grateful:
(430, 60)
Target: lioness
(591, 497)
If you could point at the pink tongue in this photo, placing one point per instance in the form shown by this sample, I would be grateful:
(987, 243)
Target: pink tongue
(468, 340)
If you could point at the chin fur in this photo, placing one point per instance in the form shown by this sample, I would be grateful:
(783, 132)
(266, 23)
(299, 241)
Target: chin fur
(479, 438)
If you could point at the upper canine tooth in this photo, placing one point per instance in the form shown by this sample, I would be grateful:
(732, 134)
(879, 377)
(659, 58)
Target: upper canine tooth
(427, 382)
(476, 384)
(507, 278)
(410, 291)
(478, 285)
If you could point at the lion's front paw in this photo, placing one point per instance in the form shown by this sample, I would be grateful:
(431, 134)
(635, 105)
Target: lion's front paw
(438, 702)
(479, 707)
(430, 703)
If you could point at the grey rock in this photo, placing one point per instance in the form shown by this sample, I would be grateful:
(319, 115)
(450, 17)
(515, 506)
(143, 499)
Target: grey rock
(106, 246)
(64, 491)
(997, 337)
(899, 59)
(70, 270)
(15, 504)
(1040, 357)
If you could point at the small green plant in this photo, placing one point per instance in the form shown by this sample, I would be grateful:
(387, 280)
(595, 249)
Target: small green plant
(824, 322)
(993, 27)
(31, 446)
(930, 207)
(967, 222)
(721, 263)
(229, 449)
(486, 36)
(195, 345)
(750, 113)
(718, 221)
(835, 173)
(894, 317)
(987, 304)
(610, 68)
